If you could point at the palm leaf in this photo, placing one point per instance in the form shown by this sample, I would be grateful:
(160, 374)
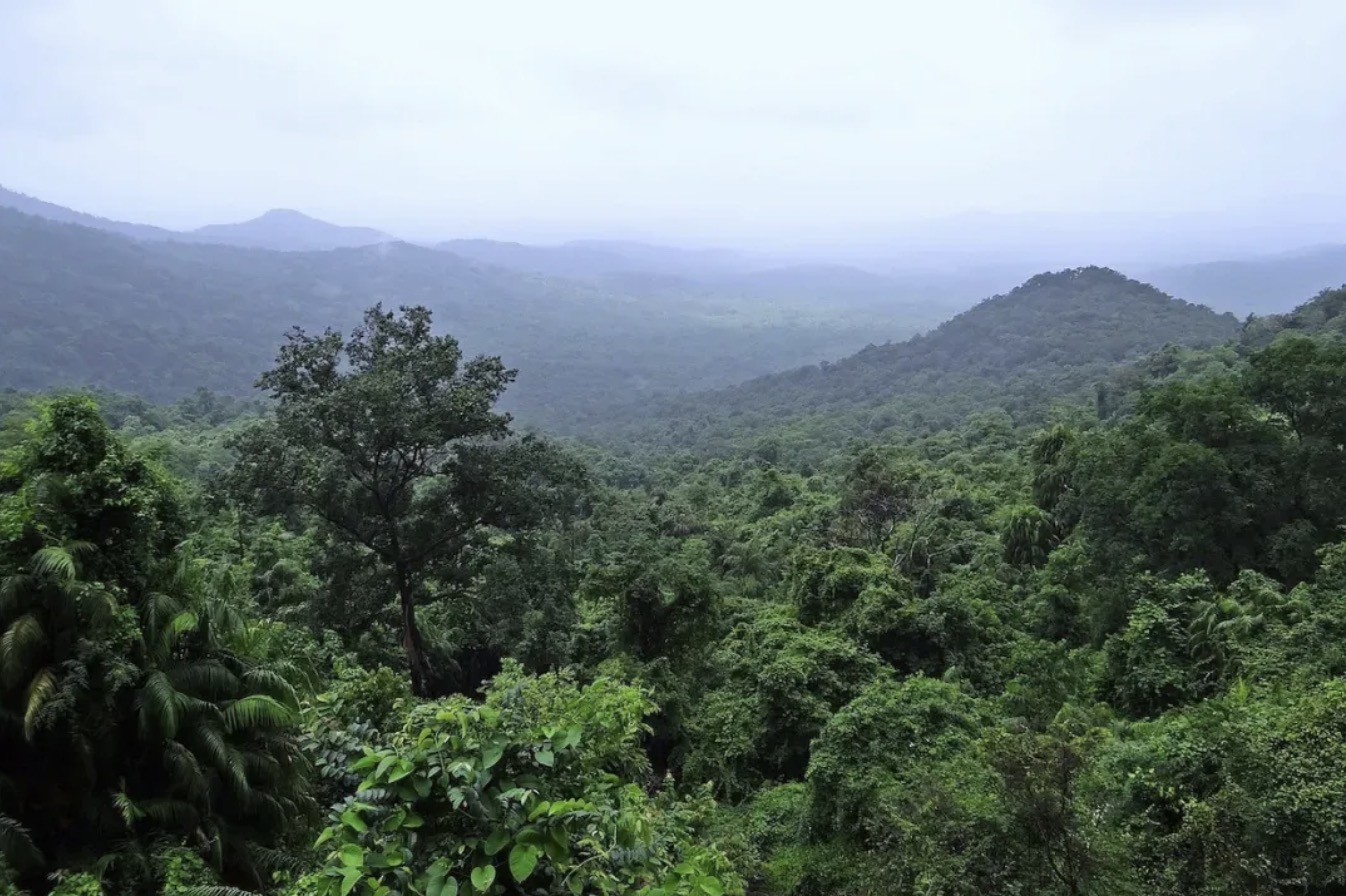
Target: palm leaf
(184, 772)
(170, 813)
(222, 757)
(273, 684)
(170, 633)
(16, 846)
(128, 809)
(55, 562)
(160, 707)
(21, 642)
(216, 891)
(210, 679)
(40, 690)
(257, 711)
(15, 593)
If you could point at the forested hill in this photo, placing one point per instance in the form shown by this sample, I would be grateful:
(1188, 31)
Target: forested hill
(1047, 340)
(160, 319)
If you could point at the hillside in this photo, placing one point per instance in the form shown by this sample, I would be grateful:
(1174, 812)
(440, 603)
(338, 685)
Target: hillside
(52, 212)
(1262, 285)
(159, 319)
(1048, 339)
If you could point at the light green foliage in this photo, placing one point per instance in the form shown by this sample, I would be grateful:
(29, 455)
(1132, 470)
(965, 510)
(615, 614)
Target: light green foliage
(528, 790)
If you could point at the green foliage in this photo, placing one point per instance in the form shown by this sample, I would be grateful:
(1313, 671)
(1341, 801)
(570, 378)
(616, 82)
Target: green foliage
(525, 790)
(390, 441)
(133, 709)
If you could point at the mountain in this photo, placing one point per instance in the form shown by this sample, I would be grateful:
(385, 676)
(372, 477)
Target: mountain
(1050, 338)
(288, 231)
(1261, 285)
(52, 212)
(281, 229)
(157, 318)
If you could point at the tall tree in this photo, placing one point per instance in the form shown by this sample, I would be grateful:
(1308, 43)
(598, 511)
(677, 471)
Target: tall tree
(392, 441)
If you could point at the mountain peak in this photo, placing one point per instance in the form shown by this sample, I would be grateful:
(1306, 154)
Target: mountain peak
(289, 229)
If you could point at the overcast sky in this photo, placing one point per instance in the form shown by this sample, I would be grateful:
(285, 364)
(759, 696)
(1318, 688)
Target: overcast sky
(733, 120)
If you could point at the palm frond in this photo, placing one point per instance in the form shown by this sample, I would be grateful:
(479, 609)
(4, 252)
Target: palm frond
(226, 760)
(17, 847)
(169, 634)
(257, 711)
(209, 680)
(273, 684)
(158, 609)
(127, 808)
(55, 562)
(216, 891)
(40, 690)
(171, 814)
(15, 594)
(20, 644)
(160, 707)
(184, 772)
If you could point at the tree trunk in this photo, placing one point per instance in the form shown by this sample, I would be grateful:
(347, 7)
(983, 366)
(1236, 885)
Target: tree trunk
(418, 661)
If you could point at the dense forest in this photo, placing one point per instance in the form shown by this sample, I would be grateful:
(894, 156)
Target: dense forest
(1047, 341)
(88, 307)
(1049, 601)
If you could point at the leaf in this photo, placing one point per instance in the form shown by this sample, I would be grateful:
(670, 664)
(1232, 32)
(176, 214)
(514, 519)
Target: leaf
(491, 754)
(546, 757)
(56, 562)
(711, 887)
(482, 877)
(497, 841)
(522, 861)
(39, 692)
(352, 856)
(349, 879)
(351, 819)
(21, 643)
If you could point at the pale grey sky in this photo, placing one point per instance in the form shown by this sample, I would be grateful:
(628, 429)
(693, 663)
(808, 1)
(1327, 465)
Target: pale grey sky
(732, 120)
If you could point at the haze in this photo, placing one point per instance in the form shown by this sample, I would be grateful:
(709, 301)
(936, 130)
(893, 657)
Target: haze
(852, 128)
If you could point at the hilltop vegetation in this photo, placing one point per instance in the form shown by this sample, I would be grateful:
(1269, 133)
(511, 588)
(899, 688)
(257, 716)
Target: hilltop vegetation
(1048, 340)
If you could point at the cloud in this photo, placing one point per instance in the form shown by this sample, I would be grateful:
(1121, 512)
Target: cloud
(726, 121)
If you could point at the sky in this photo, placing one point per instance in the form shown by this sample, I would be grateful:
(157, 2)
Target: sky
(737, 121)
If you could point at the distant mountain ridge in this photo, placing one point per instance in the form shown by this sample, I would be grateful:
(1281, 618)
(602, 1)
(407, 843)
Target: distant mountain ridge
(30, 205)
(279, 229)
(288, 231)
(1264, 285)
(160, 318)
